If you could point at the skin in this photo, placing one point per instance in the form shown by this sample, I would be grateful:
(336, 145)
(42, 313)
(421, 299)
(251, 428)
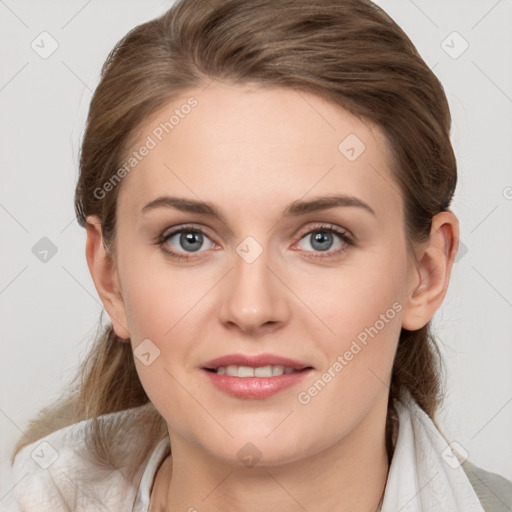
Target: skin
(252, 151)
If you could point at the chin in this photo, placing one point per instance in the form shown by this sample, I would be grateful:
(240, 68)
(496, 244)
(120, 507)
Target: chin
(257, 449)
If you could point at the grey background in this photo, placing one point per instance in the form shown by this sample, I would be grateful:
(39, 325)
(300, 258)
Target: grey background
(50, 309)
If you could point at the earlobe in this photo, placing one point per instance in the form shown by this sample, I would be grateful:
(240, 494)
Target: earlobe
(104, 274)
(432, 270)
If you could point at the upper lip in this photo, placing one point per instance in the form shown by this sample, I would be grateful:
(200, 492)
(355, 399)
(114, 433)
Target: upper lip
(254, 361)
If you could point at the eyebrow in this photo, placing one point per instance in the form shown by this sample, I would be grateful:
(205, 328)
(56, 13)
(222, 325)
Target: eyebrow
(294, 209)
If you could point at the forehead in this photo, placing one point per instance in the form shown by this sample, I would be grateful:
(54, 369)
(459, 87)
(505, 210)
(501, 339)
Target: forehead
(243, 145)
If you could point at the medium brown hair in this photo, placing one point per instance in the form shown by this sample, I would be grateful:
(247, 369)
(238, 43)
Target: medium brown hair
(349, 52)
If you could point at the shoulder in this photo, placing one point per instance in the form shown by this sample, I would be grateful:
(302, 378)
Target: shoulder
(58, 473)
(493, 490)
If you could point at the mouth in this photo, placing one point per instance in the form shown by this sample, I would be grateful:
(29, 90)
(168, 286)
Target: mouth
(259, 371)
(260, 365)
(256, 377)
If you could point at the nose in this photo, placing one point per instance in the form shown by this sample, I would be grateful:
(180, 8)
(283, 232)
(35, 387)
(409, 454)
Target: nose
(254, 297)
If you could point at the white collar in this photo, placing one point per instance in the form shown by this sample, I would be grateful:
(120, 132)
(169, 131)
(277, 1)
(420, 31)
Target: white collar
(143, 494)
(425, 474)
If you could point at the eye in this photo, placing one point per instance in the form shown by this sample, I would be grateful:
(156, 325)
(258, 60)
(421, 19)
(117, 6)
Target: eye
(190, 239)
(322, 237)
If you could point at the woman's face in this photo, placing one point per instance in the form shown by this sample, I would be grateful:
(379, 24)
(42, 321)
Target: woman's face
(277, 275)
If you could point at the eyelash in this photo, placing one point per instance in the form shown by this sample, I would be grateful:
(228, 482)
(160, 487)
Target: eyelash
(324, 228)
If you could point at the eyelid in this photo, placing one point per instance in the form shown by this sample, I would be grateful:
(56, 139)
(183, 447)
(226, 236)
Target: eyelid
(170, 232)
(183, 227)
(327, 226)
(348, 241)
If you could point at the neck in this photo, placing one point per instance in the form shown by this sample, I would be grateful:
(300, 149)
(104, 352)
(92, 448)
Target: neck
(348, 476)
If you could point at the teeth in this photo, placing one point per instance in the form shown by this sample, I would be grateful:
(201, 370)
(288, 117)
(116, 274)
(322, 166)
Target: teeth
(248, 371)
(279, 370)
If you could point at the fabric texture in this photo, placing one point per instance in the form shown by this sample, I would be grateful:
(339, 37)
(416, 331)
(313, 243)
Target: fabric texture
(425, 475)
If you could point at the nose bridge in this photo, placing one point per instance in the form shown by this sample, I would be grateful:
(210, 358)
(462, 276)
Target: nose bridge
(253, 296)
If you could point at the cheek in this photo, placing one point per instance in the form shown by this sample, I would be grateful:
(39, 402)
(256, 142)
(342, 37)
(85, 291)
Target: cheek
(362, 307)
(355, 296)
(160, 308)
(156, 298)
(145, 305)
(365, 317)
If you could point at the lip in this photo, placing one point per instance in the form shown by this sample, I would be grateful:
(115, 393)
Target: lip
(255, 387)
(254, 361)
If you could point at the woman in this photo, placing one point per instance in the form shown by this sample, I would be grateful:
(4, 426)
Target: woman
(265, 188)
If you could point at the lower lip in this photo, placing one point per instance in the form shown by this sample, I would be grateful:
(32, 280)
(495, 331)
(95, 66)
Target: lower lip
(255, 387)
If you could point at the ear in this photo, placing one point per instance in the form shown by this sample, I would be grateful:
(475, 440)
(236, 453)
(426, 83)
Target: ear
(431, 272)
(104, 274)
